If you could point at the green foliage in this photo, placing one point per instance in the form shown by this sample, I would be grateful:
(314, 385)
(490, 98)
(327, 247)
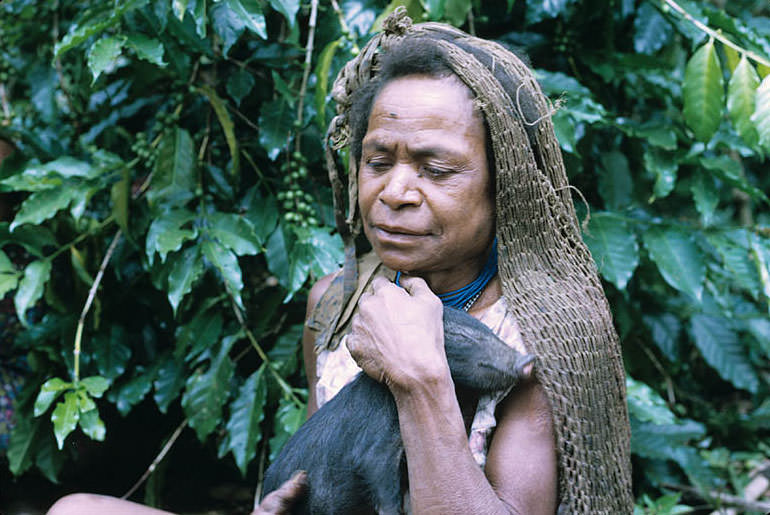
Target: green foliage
(31, 285)
(678, 258)
(9, 277)
(741, 94)
(614, 248)
(77, 406)
(703, 92)
(206, 392)
(665, 505)
(246, 414)
(177, 123)
(721, 348)
(761, 116)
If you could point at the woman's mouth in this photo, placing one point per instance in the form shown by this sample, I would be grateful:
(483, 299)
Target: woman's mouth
(396, 234)
(393, 229)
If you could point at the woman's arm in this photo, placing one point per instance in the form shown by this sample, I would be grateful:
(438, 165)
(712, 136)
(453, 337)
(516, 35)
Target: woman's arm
(521, 470)
(397, 338)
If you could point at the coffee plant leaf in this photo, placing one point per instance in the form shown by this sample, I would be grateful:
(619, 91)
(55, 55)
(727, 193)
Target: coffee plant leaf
(31, 286)
(678, 258)
(65, 417)
(741, 96)
(761, 116)
(614, 248)
(246, 415)
(721, 347)
(207, 392)
(703, 92)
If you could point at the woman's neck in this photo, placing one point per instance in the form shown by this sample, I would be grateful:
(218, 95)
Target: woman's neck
(463, 284)
(489, 296)
(459, 276)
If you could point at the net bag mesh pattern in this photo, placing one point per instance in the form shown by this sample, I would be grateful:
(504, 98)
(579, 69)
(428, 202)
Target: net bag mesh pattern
(548, 276)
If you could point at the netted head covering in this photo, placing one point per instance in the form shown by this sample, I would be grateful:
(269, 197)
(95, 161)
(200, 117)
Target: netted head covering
(548, 277)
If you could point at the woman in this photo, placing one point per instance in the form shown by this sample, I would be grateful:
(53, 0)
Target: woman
(451, 145)
(454, 166)
(426, 204)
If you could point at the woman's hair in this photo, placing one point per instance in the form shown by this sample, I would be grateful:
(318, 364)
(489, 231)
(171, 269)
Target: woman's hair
(423, 56)
(412, 57)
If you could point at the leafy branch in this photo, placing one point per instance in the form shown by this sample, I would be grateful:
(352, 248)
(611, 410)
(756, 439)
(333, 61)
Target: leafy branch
(156, 461)
(89, 301)
(287, 390)
(716, 35)
(306, 71)
(345, 29)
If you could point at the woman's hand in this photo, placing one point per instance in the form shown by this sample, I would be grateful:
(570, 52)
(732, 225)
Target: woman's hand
(280, 501)
(397, 336)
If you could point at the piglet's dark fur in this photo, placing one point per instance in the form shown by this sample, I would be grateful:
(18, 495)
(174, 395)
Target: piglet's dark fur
(351, 448)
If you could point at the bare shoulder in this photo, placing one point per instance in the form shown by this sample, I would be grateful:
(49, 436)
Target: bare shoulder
(317, 291)
(309, 336)
(528, 403)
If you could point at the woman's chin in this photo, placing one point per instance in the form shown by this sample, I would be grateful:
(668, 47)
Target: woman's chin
(399, 260)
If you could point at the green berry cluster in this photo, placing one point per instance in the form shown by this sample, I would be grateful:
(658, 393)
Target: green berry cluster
(165, 121)
(297, 204)
(143, 150)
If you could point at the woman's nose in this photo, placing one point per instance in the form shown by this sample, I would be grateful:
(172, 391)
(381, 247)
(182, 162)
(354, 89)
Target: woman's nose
(401, 189)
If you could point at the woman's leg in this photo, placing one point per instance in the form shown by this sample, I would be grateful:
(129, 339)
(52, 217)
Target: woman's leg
(92, 504)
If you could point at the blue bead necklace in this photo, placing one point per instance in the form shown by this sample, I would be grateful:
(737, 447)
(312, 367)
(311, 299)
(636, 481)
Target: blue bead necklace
(468, 294)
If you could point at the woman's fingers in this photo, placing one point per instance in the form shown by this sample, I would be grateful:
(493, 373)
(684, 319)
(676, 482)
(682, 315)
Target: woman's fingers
(280, 501)
(411, 286)
(381, 284)
(416, 287)
(396, 336)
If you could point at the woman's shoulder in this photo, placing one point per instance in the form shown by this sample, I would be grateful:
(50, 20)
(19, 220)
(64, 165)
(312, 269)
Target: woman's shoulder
(318, 289)
(323, 302)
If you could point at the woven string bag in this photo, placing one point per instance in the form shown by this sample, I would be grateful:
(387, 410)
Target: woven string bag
(548, 276)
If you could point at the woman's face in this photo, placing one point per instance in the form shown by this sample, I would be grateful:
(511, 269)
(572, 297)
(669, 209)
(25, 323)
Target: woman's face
(424, 187)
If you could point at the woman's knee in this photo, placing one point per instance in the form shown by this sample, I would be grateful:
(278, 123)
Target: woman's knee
(93, 504)
(72, 504)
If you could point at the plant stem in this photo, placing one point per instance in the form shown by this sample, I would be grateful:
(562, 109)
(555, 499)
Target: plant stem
(344, 25)
(89, 301)
(158, 458)
(716, 35)
(730, 500)
(253, 165)
(243, 117)
(287, 390)
(260, 475)
(4, 102)
(306, 72)
(82, 237)
(58, 66)
(662, 371)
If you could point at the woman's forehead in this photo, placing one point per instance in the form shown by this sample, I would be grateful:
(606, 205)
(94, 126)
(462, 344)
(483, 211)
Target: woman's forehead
(410, 90)
(425, 105)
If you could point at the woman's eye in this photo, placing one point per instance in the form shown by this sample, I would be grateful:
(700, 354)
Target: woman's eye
(377, 164)
(435, 171)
